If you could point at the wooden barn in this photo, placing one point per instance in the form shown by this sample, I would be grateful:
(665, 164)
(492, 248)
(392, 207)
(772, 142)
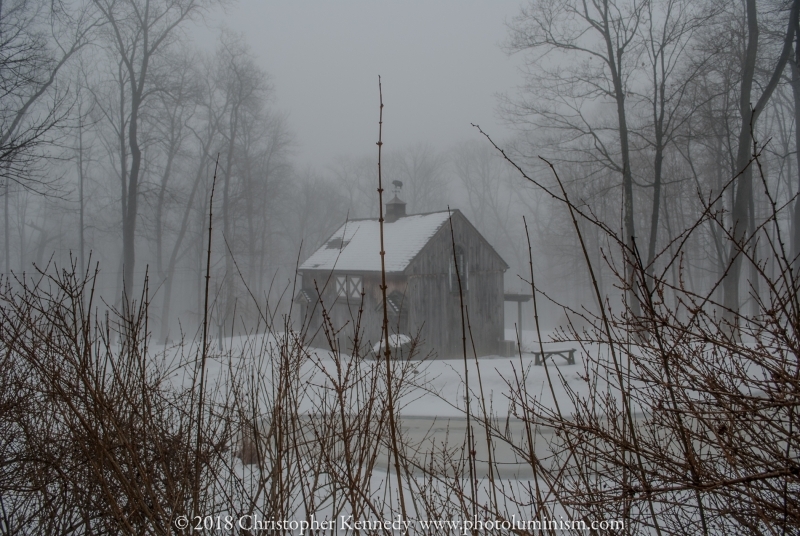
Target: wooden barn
(422, 286)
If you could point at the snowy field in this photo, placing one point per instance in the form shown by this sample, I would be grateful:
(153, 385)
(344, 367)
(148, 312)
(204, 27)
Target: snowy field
(445, 386)
(439, 384)
(433, 401)
(433, 420)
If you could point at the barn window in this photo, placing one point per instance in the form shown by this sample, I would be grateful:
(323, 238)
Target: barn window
(341, 285)
(459, 260)
(355, 285)
(349, 286)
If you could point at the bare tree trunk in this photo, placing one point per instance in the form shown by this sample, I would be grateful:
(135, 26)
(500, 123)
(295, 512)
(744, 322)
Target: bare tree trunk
(130, 216)
(82, 225)
(744, 184)
(81, 207)
(754, 273)
(719, 247)
(264, 238)
(627, 175)
(227, 222)
(22, 210)
(795, 66)
(123, 169)
(200, 257)
(138, 34)
(173, 259)
(162, 192)
(659, 162)
(7, 228)
(251, 190)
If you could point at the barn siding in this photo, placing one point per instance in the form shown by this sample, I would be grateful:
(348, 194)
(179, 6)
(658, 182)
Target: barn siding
(437, 311)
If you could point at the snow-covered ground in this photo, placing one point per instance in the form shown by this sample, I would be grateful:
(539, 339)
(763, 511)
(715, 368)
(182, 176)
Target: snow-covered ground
(439, 385)
(433, 410)
(434, 417)
(444, 381)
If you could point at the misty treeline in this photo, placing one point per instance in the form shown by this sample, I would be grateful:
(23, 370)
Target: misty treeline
(652, 113)
(114, 121)
(114, 125)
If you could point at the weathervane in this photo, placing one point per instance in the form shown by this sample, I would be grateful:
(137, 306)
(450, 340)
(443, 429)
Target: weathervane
(398, 185)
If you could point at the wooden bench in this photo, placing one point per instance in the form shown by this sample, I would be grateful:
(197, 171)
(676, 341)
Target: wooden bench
(569, 355)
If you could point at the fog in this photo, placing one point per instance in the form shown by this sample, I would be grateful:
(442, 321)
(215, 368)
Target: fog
(231, 282)
(111, 143)
(441, 65)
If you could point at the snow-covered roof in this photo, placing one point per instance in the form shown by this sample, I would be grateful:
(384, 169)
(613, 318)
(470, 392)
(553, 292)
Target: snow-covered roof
(356, 245)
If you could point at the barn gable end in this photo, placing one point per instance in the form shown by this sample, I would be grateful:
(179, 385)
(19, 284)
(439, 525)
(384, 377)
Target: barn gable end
(433, 289)
(439, 248)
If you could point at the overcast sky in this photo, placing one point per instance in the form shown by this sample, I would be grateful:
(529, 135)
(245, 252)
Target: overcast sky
(440, 62)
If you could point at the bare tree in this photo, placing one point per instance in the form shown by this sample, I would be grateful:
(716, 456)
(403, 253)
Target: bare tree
(742, 211)
(84, 155)
(177, 104)
(667, 35)
(137, 33)
(264, 170)
(37, 39)
(242, 87)
(35, 45)
(581, 53)
(795, 74)
(707, 143)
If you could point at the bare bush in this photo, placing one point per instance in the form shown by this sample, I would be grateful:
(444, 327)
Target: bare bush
(689, 425)
(95, 441)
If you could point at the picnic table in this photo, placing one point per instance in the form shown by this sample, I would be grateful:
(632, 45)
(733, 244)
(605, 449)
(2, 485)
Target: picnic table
(568, 354)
